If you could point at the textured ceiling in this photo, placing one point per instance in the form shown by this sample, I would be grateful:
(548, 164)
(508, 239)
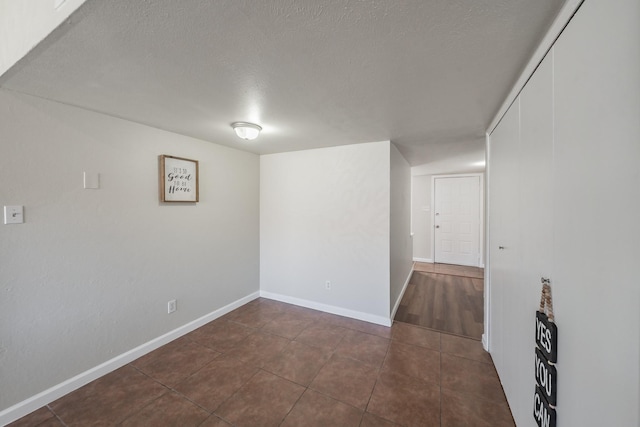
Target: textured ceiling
(427, 75)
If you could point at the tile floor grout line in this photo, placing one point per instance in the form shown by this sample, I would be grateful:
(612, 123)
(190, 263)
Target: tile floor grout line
(333, 398)
(191, 401)
(168, 390)
(136, 412)
(384, 359)
(233, 394)
(56, 415)
(294, 404)
(318, 373)
(373, 389)
(172, 389)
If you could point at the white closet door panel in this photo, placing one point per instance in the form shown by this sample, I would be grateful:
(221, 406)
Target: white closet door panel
(596, 211)
(536, 227)
(503, 230)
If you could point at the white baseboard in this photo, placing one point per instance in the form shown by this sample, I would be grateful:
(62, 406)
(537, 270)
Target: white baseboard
(485, 343)
(404, 288)
(29, 405)
(371, 318)
(429, 260)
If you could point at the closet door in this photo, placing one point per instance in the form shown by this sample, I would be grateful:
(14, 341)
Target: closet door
(597, 211)
(521, 233)
(504, 145)
(535, 174)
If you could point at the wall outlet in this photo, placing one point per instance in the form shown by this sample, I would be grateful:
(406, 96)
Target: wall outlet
(171, 306)
(327, 285)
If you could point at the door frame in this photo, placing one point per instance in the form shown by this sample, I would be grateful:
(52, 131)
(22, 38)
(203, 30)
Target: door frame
(481, 242)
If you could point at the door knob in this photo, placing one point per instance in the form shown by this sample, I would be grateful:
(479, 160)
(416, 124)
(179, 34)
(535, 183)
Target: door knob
(500, 247)
(437, 226)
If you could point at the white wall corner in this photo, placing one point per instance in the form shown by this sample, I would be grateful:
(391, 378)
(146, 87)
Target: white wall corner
(331, 309)
(404, 288)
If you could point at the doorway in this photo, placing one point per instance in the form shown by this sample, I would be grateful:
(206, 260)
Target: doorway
(457, 219)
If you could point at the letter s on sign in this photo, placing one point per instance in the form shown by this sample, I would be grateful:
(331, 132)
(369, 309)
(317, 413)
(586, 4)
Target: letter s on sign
(547, 344)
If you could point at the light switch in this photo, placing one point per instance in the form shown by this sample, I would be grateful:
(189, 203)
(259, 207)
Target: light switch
(13, 214)
(91, 180)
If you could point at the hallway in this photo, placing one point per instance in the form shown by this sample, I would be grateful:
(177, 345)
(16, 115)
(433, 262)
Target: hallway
(446, 298)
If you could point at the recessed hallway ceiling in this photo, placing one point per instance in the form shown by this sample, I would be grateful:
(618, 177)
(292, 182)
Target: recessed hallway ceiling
(428, 75)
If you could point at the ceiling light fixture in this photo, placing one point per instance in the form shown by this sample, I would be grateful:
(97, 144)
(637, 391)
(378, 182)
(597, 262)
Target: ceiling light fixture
(246, 130)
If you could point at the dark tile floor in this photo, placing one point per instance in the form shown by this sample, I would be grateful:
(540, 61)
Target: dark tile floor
(274, 364)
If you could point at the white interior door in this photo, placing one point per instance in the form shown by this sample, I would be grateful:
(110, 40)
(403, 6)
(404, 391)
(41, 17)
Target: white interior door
(457, 220)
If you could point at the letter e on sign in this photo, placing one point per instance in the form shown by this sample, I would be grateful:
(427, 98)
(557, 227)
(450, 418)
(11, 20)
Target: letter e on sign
(547, 337)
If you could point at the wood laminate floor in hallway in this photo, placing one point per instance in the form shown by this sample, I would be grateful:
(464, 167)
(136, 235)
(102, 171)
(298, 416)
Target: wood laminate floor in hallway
(446, 298)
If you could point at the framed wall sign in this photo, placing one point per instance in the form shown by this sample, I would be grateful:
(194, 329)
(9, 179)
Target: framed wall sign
(178, 179)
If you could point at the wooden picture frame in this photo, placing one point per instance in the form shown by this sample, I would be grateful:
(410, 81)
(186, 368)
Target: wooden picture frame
(178, 179)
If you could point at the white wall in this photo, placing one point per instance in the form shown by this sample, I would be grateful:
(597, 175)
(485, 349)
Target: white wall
(24, 24)
(421, 223)
(324, 215)
(87, 277)
(574, 158)
(401, 245)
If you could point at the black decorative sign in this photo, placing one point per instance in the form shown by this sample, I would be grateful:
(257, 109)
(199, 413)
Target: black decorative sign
(546, 355)
(546, 378)
(544, 415)
(547, 337)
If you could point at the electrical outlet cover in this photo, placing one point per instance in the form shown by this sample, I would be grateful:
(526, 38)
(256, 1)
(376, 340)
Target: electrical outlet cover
(14, 214)
(171, 306)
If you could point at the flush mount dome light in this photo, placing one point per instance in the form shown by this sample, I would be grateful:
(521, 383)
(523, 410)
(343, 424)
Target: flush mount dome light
(246, 130)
